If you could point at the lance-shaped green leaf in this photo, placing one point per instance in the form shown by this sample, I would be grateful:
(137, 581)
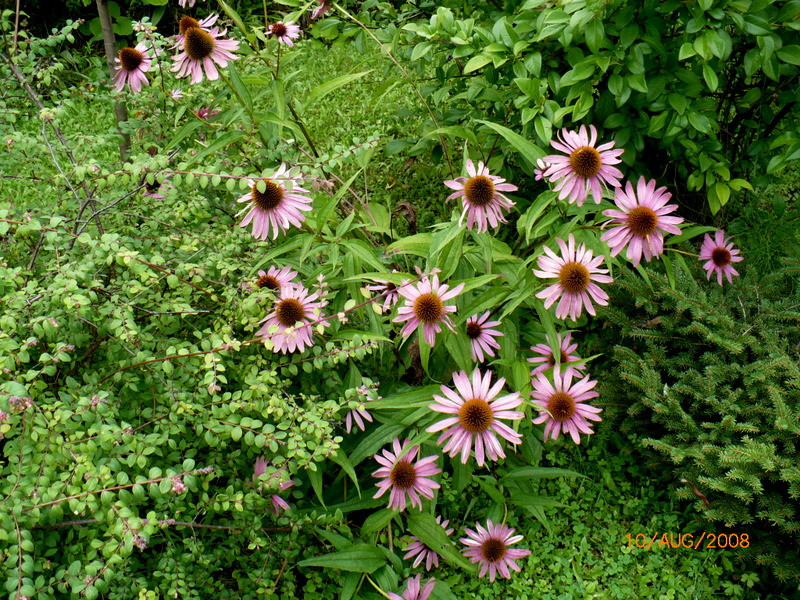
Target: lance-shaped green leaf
(361, 558)
(430, 533)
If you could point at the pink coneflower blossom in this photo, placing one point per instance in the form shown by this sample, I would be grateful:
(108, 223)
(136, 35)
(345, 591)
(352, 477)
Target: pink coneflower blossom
(477, 416)
(389, 290)
(275, 279)
(641, 222)
(576, 271)
(406, 479)
(562, 406)
(425, 305)
(538, 173)
(207, 113)
(278, 503)
(720, 253)
(584, 168)
(324, 6)
(183, 3)
(481, 336)
(546, 360)
(133, 64)
(277, 207)
(176, 94)
(201, 49)
(284, 32)
(422, 552)
(295, 311)
(358, 415)
(414, 591)
(480, 195)
(489, 548)
(157, 189)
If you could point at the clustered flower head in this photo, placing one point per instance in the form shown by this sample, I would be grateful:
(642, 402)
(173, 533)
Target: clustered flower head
(425, 305)
(415, 590)
(418, 549)
(407, 480)
(275, 203)
(583, 168)
(480, 195)
(719, 253)
(490, 547)
(203, 50)
(641, 221)
(132, 64)
(284, 32)
(562, 404)
(546, 360)
(481, 334)
(289, 325)
(477, 417)
(578, 274)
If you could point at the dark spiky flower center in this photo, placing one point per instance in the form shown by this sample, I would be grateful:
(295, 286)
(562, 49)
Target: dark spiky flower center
(721, 257)
(198, 43)
(563, 359)
(473, 330)
(270, 198)
(186, 23)
(574, 277)
(279, 29)
(493, 550)
(561, 406)
(289, 312)
(642, 221)
(130, 59)
(428, 308)
(479, 190)
(268, 281)
(403, 475)
(475, 415)
(585, 161)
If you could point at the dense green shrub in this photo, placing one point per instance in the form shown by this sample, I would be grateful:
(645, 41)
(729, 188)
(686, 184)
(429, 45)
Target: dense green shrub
(710, 379)
(701, 94)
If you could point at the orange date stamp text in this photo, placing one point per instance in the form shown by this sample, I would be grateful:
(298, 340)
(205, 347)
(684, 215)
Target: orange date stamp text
(692, 541)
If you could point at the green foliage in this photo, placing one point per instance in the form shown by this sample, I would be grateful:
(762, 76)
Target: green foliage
(710, 379)
(701, 94)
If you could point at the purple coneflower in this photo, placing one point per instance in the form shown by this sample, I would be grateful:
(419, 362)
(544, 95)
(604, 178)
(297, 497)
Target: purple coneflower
(278, 503)
(414, 590)
(425, 305)
(406, 479)
(183, 3)
(477, 413)
(295, 311)
(155, 189)
(546, 360)
(275, 279)
(541, 167)
(576, 271)
(584, 167)
(562, 406)
(641, 221)
(481, 336)
(358, 415)
(389, 290)
(720, 253)
(480, 195)
(176, 94)
(324, 6)
(489, 548)
(284, 32)
(277, 207)
(201, 49)
(133, 64)
(422, 552)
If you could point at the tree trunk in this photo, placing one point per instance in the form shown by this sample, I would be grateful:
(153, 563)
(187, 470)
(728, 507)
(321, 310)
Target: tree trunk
(110, 44)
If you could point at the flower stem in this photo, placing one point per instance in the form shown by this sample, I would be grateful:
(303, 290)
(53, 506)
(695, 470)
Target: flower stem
(682, 252)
